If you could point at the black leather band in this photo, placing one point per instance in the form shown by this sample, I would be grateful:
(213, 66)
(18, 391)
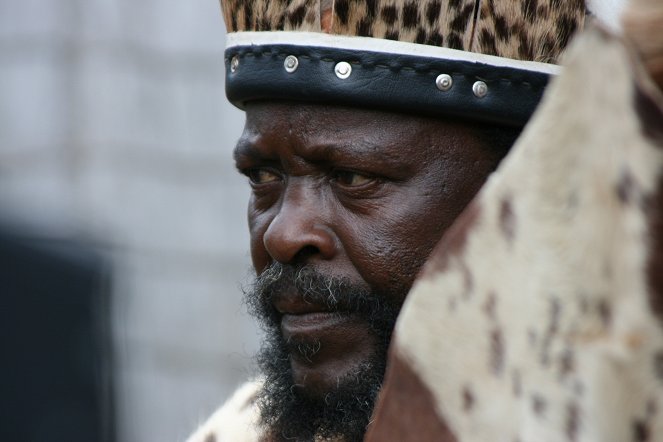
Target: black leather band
(403, 83)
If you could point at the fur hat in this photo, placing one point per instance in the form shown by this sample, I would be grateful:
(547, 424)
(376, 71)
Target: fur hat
(482, 59)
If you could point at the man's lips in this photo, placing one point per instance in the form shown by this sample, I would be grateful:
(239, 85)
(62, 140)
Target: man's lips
(312, 323)
(301, 318)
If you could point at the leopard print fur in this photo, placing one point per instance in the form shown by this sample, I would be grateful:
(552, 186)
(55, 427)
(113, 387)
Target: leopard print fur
(271, 15)
(527, 30)
(536, 30)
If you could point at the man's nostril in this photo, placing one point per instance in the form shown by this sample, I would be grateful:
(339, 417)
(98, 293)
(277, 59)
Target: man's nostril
(305, 253)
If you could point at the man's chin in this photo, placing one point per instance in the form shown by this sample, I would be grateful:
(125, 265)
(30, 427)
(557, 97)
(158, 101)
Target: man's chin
(321, 361)
(317, 379)
(307, 397)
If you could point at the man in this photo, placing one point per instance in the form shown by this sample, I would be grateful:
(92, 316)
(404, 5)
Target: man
(361, 153)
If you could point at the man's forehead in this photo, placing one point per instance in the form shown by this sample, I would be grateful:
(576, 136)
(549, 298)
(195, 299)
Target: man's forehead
(325, 124)
(323, 137)
(335, 134)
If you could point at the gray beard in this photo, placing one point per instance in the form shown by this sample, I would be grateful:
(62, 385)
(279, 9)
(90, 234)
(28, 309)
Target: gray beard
(285, 409)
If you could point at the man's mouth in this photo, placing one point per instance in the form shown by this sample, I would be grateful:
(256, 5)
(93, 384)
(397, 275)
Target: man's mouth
(307, 322)
(300, 318)
(313, 323)
(323, 341)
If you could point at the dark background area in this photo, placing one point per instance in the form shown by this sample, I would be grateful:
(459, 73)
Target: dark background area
(56, 380)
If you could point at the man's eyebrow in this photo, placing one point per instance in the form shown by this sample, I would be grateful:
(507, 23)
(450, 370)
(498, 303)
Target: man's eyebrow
(356, 151)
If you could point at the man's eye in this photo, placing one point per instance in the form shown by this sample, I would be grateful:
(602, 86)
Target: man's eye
(351, 179)
(262, 176)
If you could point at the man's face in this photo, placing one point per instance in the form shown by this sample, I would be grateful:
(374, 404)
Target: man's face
(346, 206)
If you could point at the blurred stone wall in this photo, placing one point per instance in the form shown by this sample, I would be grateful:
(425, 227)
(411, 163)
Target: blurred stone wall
(114, 125)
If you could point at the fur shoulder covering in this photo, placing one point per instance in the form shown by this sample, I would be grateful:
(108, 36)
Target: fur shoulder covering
(538, 318)
(235, 421)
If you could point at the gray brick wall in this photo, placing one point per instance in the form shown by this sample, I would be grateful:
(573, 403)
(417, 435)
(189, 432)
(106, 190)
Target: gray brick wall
(114, 123)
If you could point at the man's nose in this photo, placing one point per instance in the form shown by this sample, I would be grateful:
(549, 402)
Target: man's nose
(299, 230)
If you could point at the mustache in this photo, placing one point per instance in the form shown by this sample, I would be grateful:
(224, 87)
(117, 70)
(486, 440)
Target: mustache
(336, 294)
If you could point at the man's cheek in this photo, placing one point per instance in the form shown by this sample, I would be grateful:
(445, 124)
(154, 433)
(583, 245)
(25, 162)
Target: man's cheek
(380, 261)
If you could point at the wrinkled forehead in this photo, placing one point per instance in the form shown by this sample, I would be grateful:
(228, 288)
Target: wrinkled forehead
(333, 122)
(320, 116)
(331, 133)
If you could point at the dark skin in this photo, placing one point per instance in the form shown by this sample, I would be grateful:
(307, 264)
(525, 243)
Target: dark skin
(359, 194)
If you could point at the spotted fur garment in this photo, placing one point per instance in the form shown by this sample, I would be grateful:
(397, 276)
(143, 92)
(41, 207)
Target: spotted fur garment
(535, 30)
(539, 317)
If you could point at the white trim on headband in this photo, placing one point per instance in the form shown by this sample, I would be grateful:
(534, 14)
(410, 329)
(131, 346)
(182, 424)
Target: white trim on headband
(319, 39)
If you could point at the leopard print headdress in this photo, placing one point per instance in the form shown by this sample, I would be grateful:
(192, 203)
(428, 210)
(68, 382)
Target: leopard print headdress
(524, 30)
(485, 59)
